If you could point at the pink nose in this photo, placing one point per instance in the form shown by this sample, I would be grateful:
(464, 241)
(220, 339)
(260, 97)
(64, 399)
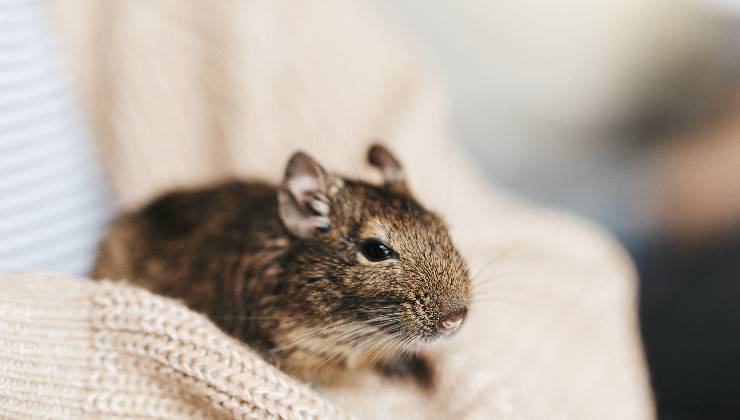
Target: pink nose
(453, 320)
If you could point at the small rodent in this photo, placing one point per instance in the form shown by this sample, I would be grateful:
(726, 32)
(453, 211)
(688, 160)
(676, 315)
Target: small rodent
(321, 275)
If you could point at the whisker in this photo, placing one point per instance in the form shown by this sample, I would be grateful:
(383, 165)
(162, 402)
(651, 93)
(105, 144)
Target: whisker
(380, 321)
(311, 334)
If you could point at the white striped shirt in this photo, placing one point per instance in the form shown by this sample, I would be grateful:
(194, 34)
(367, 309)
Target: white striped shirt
(54, 204)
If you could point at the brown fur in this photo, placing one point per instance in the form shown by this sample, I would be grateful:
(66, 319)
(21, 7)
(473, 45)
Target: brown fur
(311, 305)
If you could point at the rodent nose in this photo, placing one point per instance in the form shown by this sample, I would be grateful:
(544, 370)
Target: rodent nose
(453, 320)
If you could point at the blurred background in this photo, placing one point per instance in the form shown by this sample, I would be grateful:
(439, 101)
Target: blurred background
(626, 112)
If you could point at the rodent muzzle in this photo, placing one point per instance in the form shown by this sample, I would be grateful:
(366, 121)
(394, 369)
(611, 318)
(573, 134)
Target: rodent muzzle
(453, 321)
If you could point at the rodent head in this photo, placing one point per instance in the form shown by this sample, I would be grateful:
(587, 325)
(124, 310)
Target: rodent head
(371, 255)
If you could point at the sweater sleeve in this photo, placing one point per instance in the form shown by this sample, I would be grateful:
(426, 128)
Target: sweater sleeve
(73, 349)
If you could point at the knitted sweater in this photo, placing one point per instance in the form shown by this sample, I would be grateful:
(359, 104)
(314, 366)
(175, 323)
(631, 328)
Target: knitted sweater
(179, 94)
(76, 349)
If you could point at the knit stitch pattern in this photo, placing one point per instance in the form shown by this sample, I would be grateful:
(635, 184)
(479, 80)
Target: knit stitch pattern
(76, 349)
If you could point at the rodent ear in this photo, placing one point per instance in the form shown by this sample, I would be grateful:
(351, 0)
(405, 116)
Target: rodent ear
(303, 203)
(393, 175)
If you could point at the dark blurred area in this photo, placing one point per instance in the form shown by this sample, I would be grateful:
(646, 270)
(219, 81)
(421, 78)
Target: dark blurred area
(626, 112)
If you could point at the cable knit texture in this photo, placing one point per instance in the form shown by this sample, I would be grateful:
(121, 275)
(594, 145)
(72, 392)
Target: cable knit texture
(180, 94)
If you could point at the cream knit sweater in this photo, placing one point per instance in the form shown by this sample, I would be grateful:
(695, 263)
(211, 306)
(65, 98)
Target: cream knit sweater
(180, 93)
(71, 348)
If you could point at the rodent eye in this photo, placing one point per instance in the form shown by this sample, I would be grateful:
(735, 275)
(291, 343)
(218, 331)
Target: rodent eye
(376, 251)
